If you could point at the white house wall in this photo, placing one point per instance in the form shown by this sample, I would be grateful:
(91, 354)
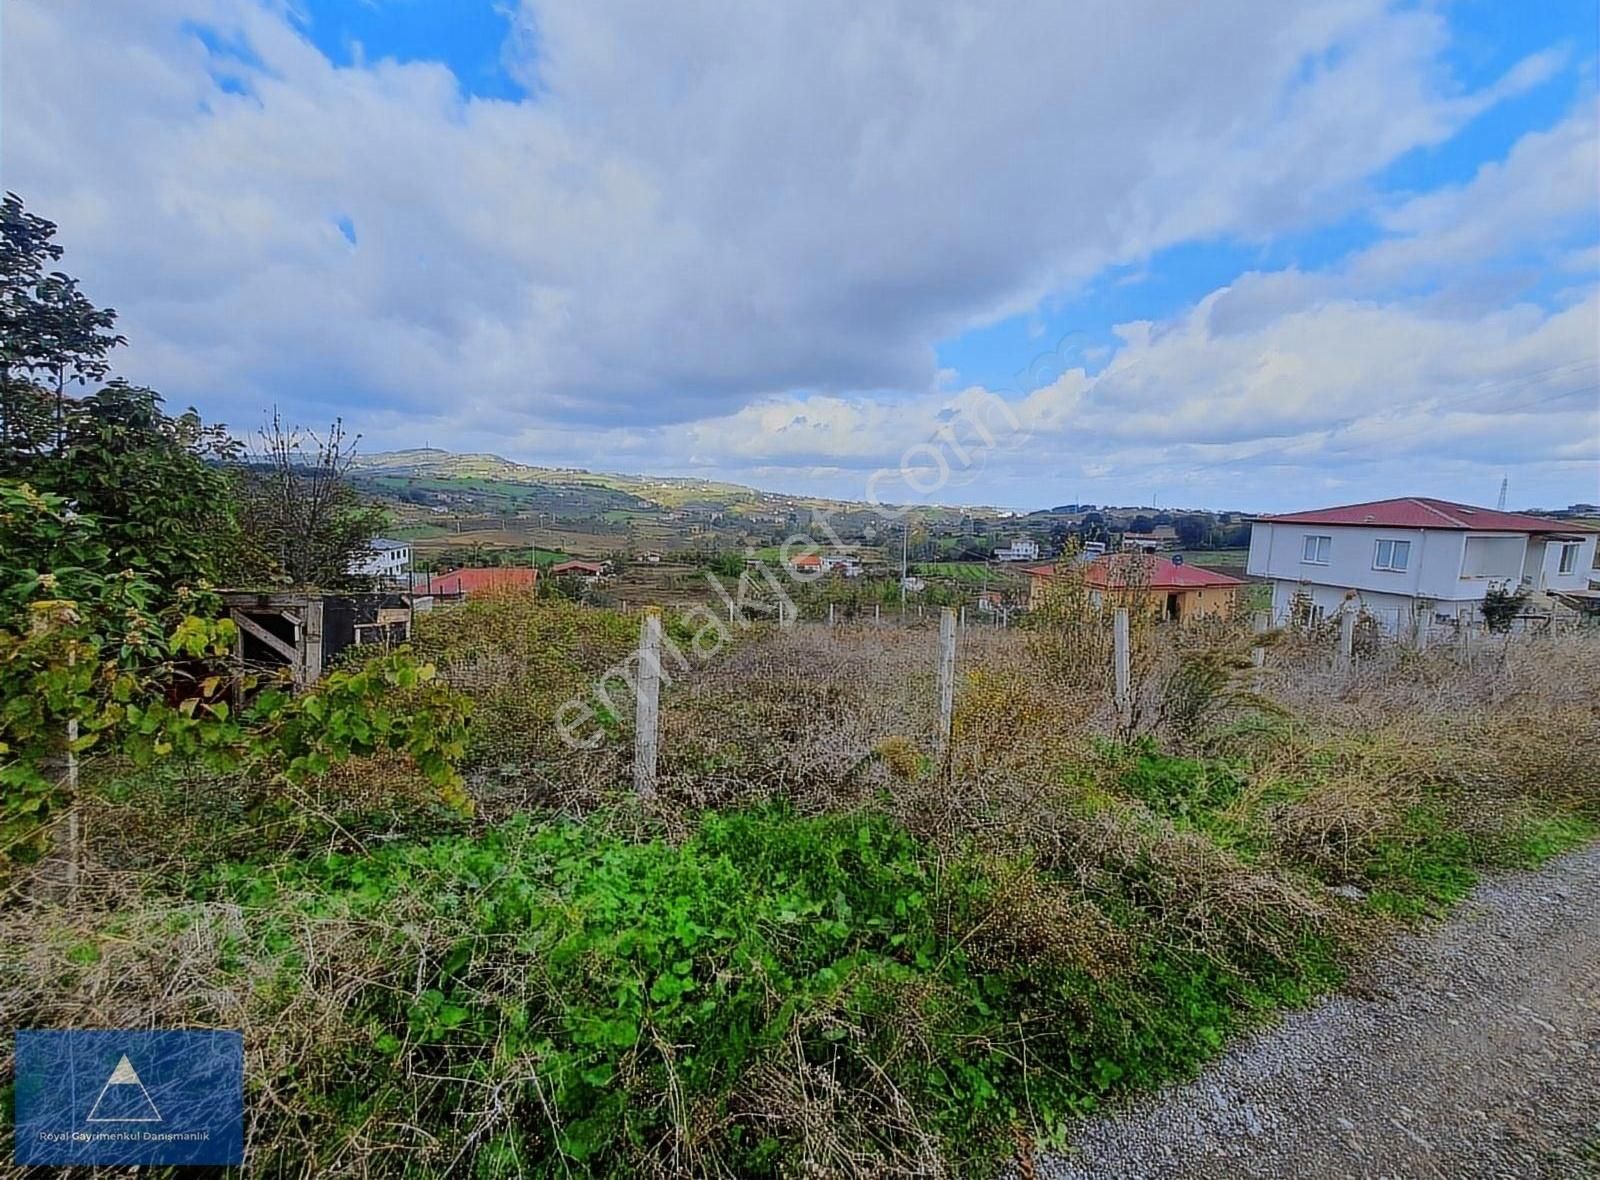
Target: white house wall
(1392, 612)
(1452, 569)
(1432, 571)
(1545, 558)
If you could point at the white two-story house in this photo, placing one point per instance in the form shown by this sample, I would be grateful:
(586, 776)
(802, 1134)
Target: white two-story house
(1020, 549)
(1414, 559)
(387, 560)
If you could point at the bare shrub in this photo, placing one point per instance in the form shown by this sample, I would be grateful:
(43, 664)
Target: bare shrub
(1036, 924)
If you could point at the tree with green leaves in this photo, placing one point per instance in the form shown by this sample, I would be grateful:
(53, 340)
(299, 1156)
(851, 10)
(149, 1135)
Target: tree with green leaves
(26, 251)
(160, 486)
(1501, 605)
(1194, 530)
(76, 338)
(48, 328)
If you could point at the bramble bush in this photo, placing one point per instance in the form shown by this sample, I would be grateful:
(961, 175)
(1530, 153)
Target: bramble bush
(84, 641)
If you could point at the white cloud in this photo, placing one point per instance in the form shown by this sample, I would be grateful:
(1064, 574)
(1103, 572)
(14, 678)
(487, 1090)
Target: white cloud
(713, 221)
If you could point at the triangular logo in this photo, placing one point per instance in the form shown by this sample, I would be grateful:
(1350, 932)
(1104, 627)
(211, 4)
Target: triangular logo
(123, 1099)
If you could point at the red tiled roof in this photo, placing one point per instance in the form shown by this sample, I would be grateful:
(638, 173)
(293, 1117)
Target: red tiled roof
(477, 579)
(1423, 512)
(1158, 573)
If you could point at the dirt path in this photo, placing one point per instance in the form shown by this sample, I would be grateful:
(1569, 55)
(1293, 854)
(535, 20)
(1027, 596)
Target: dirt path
(1471, 1050)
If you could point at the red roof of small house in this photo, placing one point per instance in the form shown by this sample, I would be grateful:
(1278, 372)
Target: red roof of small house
(1423, 512)
(477, 579)
(807, 559)
(577, 567)
(1142, 569)
(1158, 573)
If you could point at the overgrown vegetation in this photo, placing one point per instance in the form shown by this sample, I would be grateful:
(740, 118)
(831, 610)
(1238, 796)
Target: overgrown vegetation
(832, 945)
(820, 951)
(115, 521)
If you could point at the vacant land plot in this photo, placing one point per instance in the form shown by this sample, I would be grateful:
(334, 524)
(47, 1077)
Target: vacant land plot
(833, 944)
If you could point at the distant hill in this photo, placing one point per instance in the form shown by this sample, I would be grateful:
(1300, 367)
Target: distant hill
(670, 492)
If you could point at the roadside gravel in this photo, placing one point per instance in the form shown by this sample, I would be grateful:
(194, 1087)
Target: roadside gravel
(1468, 1050)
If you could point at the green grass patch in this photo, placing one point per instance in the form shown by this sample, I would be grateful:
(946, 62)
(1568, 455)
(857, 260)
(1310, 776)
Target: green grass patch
(633, 998)
(1538, 838)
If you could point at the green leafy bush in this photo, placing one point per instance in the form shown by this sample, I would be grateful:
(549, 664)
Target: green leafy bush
(773, 993)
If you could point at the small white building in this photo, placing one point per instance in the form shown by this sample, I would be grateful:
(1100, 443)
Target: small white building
(849, 566)
(388, 560)
(1020, 549)
(1414, 559)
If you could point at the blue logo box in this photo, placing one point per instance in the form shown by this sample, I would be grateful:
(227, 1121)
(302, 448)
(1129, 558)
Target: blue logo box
(104, 1097)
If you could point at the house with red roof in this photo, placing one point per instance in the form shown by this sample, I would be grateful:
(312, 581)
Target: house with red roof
(1414, 559)
(472, 580)
(1167, 586)
(578, 569)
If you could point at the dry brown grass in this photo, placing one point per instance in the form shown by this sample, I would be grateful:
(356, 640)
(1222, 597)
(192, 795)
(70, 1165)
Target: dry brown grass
(1333, 763)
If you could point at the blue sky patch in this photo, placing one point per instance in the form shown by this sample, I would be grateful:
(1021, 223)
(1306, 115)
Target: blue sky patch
(468, 36)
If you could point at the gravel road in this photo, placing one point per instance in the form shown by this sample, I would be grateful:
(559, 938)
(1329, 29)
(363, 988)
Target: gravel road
(1470, 1050)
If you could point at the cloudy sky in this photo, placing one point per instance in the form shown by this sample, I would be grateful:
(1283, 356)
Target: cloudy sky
(1241, 253)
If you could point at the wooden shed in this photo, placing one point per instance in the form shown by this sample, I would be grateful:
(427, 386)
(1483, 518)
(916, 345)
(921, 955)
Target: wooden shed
(303, 630)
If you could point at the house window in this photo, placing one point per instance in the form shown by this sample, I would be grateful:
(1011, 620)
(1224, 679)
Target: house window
(1392, 555)
(1316, 550)
(1569, 556)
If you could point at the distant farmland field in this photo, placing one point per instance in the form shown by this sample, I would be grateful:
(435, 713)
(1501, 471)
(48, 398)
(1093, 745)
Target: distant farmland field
(579, 544)
(976, 573)
(1230, 561)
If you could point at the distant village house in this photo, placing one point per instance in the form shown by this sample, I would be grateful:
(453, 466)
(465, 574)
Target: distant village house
(587, 571)
(1160, 585)
(388, 560)
(475, 580)
(1020, 549)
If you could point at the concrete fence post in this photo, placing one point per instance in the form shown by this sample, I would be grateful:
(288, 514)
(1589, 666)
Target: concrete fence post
(647, 714)
(1124, 666)
(1347, 635)
(74, 823)
(830, 614)
(947, 676)
(1260, 621)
